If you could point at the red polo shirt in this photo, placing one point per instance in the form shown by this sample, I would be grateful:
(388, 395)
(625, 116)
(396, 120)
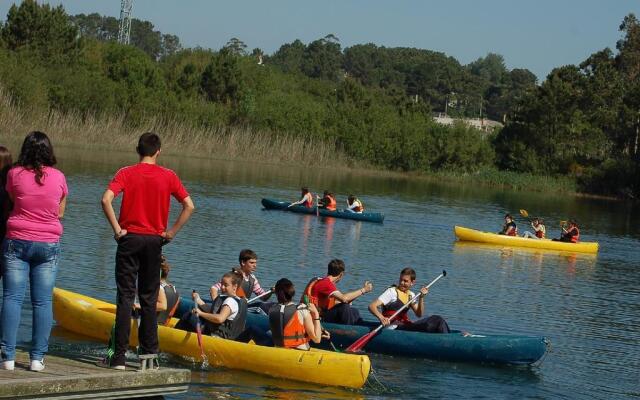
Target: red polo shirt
(147, 191)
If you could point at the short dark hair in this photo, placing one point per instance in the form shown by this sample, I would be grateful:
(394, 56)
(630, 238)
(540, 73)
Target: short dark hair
(304, 189)
(246, 255)
(148, 144)
(508, 216)
(285, 290)
(335, 267)
(409, 271)
(165, 267)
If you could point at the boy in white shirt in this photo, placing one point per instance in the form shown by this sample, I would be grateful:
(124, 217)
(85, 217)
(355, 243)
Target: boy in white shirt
(392, 299)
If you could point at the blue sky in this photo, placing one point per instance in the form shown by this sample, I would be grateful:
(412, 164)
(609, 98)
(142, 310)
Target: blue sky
(538, 35)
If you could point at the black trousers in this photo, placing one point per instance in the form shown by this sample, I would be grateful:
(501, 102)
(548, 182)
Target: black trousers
(137, 258)
(432, 324)
(342, 313)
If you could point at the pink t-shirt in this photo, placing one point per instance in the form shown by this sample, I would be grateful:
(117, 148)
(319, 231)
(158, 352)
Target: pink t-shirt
(35, 207)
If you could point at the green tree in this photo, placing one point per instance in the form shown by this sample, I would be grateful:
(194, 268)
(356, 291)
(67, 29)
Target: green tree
(42, 29)
(236, 47)
(221, 79)
(323, 58)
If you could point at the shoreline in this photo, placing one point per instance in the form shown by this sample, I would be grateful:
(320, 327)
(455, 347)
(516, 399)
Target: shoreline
(444, 178)
(243, 144)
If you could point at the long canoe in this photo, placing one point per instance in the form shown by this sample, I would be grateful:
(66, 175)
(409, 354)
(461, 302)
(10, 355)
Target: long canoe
(476, 348)
(284, 206)
(473, 235)
(94, 318)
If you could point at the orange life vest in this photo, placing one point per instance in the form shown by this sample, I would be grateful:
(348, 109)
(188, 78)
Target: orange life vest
(323, 304)
(333, 205)
(287, 326)
(394, 306)
(245, 289)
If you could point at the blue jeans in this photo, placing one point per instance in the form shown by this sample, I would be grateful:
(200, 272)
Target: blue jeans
(37, 261)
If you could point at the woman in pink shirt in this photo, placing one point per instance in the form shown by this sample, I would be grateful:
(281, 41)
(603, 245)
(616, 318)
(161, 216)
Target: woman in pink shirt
(31, 247)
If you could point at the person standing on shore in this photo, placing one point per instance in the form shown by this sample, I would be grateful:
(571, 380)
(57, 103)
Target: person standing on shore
(141, 231)
(31, 248)
(5, 203)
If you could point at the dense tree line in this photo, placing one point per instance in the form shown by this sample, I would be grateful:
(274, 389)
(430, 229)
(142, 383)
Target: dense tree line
(371, 102)
(583, 121)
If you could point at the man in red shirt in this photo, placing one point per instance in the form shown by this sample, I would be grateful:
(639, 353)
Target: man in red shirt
(334, 306)
(140, 232)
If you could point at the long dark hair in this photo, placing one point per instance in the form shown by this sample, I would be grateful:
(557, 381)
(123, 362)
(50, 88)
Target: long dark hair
(5, 164)
(36, 152)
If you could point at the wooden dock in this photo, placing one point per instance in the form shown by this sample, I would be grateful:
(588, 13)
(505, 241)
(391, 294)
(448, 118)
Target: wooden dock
(78, 377)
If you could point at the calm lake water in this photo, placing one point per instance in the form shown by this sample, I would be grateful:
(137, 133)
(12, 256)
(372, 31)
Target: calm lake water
(588, 306)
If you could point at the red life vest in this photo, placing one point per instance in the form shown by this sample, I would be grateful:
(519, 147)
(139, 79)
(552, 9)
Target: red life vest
(287, 326)
(308, 200)
(322, 304)
(576, 236)
(512, 232)
(394, 306)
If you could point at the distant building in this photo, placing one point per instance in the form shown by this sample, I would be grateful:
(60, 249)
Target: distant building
(482, 124)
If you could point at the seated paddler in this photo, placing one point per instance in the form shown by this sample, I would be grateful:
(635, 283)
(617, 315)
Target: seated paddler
(168, 296)
(396, 296)
(570, 234)
(225, 317)
(248, 263)
(306, 199)
(328, 201)
(509, 228)
(333, 305)
(293, 325)
(354, 205)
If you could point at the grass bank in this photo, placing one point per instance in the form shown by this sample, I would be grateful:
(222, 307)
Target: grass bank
(235, 143)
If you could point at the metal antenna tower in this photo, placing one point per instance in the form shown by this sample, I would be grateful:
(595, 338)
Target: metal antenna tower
(125, 21)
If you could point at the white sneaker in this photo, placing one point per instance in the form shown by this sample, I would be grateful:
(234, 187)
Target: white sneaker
(9, 365)
(37, 365)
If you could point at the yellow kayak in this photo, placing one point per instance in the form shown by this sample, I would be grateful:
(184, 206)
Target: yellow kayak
(94, 318)
(472, 235)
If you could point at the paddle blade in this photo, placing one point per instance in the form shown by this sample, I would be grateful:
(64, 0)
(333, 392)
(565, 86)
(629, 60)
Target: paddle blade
(199, 336)
(524, 213)
(358, 345)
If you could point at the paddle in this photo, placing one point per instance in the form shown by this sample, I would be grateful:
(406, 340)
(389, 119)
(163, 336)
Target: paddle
(317, 206)
(360, 343)
(525, 214)
(268, 292)
(199, 332)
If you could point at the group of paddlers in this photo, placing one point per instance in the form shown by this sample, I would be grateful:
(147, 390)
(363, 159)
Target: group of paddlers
(293, 323)
(327, 201)
(570, 231)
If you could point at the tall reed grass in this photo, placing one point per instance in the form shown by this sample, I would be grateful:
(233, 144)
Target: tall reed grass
(178, 137)
(230, 143)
